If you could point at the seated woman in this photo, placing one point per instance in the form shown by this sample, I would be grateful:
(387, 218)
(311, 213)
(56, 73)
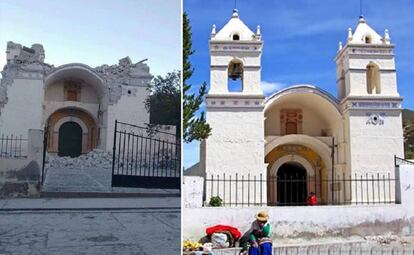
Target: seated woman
(259, 236)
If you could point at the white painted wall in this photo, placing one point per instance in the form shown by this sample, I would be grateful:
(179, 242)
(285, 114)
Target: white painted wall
(236, 144)
(130, 108)
(192, 191)
(372, 147)
(24, 108)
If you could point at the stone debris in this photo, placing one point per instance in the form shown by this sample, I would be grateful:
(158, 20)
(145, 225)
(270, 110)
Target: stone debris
(383, 239)
(94, 159)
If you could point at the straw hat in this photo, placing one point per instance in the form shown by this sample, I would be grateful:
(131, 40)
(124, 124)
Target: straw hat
(262, 216)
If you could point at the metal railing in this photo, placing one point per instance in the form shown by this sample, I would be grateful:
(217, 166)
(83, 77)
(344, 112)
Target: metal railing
(248, 190)
(152, 156)
(13, 146)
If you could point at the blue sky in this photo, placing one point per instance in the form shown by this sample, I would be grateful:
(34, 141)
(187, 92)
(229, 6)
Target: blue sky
(96, 32)
(301, 39)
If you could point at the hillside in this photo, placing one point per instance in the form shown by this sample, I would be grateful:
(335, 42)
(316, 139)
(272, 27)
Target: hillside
(407, 115)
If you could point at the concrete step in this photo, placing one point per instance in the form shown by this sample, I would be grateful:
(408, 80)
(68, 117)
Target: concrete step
(93, 183)
(142, 194)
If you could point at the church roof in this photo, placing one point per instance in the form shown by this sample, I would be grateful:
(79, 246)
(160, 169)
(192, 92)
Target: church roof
(234, 26)
(304, 88)
(364, 31)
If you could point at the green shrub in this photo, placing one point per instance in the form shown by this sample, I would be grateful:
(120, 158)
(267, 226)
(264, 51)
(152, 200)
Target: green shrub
(215, 201)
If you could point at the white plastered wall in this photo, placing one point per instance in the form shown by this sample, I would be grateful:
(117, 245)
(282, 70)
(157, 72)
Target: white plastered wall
(236, 146)
(372, 147)
(130, 108)
(16, 118)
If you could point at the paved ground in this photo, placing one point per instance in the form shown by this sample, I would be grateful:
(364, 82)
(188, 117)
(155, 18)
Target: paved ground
(145, 230)
(90, 180)
(41, 204)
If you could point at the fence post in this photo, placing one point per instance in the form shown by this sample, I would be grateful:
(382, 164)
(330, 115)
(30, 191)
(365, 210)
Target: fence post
(36, 151)
(113, 153)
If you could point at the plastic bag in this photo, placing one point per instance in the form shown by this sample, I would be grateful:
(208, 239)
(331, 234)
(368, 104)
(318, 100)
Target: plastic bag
(219, 240)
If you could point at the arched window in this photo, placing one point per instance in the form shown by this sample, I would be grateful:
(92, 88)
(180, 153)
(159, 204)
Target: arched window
(236, 37)
(368, 39)
(373, 79)
(235, 76)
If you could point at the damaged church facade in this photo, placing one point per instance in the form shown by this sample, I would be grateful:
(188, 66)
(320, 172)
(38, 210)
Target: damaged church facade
(276, 150)
(76, 103)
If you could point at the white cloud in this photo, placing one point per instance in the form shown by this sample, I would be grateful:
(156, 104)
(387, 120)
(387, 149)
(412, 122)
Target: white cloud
(270, 87)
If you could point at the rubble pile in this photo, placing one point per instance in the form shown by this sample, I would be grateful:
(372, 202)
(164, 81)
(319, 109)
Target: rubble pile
(384, 239)
(95, 159)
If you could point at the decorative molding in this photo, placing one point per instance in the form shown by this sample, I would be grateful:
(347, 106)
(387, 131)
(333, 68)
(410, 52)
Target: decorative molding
(365, 51)
(233, 47)
(381, 105)
(375, 118)
(231, 102)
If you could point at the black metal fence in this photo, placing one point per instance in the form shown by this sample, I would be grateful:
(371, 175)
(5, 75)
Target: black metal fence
(45, 144)
(13, 146)
(241, 190)
(145, 157)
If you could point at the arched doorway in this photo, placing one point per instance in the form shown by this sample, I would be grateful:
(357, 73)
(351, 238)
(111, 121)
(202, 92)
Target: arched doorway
(291, 184)
(70, 139)
(83, 119)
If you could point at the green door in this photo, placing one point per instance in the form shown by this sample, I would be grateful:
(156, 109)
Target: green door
(70, 139)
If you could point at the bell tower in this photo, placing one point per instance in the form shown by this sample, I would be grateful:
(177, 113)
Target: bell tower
(371, 104)
(235, 59)
(234, 103)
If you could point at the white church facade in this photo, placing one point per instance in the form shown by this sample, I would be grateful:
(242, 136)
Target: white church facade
(76, 103)
(301, 131)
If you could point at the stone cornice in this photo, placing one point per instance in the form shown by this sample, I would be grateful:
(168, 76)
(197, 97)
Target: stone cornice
(235, 46)
(234, 102)
(366, 49)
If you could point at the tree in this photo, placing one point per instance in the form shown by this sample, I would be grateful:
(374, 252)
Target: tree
(408, 130)
(195, 128)
(164, 101)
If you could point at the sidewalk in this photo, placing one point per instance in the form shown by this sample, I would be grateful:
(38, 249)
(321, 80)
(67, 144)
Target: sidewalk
(48, 204)
(55, 227)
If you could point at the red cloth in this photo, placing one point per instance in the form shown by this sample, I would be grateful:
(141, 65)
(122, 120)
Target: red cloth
(220, 228)
(312, 200)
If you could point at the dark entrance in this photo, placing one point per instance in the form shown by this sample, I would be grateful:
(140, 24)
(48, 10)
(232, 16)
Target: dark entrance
(70, 139)
(291, 184)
